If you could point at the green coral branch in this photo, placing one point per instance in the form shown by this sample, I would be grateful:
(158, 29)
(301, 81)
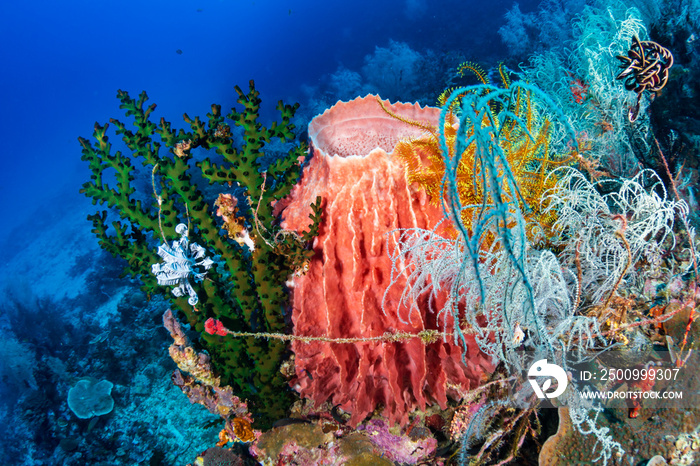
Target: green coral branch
(101, 160)
(316, 211)
(255, 136)
(245, 289)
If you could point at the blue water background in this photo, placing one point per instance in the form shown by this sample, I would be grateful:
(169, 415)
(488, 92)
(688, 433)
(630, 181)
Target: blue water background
(64, 61)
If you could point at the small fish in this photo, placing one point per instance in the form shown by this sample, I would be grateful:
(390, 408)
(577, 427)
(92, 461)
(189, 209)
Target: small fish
(178, 51)
(99, 338)
(338, 416)
(446, 450)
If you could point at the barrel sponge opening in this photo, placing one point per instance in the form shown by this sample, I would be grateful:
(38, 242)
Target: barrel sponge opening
(90, 398)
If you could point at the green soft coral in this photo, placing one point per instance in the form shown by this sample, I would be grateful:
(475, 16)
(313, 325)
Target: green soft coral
(246, 290)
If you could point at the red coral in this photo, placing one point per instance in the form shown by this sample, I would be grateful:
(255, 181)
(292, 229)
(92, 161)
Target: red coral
(215, 327)
(346, 291)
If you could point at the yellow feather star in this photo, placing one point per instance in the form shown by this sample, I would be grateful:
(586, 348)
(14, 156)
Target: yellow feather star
(525, 144)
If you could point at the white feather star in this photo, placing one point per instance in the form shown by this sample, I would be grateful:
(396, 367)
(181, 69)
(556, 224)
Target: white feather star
(182, 261)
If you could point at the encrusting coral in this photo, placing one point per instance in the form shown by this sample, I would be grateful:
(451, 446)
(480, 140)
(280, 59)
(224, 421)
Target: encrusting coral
(245, 286)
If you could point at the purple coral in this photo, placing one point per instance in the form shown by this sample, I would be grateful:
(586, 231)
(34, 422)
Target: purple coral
(400, 449)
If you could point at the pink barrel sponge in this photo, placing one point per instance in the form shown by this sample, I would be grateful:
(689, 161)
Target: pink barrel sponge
(344, 293)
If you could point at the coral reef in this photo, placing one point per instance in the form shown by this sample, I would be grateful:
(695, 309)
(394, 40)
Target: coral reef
(345, 293)
(648, 427)
(432, 255)
(582, 83)
(106, 332)
(512, 296)
(490, 259)
(516, 31)
(245, 288)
